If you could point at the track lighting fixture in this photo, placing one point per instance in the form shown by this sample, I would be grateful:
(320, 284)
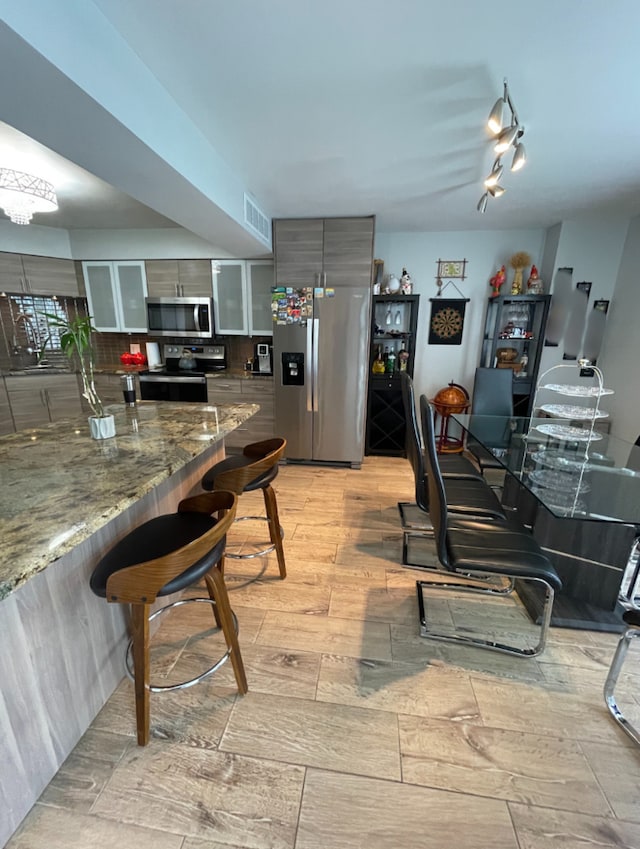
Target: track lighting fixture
(504, 138)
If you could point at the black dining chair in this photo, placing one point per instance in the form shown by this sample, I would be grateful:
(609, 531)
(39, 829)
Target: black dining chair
(492, 396)
(486, 557)
(466, 495)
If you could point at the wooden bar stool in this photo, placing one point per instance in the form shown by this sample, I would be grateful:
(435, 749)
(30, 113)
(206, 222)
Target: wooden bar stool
(179, 549)
(254, 469)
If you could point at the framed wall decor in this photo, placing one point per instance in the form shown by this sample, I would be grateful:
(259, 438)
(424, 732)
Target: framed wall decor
(452, 268)
(447, 320)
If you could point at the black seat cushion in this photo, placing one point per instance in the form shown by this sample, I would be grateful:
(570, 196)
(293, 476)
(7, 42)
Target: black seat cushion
(237, 461)
(156, 538)
(632, 618)
(472, 498)
(457, 466)
(501, 548)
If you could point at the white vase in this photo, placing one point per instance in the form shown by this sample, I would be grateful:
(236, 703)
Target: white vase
(103, 427)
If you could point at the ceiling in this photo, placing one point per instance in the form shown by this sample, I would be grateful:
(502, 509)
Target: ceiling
(353, 107)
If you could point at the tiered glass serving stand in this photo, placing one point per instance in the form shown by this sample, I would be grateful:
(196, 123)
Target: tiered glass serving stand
(561, 476)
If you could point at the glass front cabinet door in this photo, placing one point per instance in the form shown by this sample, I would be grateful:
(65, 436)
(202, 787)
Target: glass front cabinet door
(513, 338)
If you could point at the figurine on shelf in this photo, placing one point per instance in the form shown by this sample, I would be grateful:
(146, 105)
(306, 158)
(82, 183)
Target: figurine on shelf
(496, 282)
(535, 286)
(406, 284)
(518, 262)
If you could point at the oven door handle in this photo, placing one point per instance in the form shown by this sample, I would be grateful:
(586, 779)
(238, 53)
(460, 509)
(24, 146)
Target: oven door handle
(159, 378)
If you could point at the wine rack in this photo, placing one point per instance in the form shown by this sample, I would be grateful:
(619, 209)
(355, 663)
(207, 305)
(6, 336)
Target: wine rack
(394, 321)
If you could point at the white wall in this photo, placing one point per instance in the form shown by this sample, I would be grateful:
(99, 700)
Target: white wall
(485, 252)
(163, 243)
(622, 342)
(593, 247)
(34, 239)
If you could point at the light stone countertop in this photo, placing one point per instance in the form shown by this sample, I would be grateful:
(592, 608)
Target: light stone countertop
(58, 485)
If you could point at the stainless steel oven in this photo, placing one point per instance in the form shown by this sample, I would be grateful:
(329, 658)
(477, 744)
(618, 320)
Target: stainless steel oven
(180, 317)
(164, 386)
(182, 377)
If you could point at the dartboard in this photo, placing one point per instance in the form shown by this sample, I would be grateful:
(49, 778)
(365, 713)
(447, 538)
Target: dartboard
(446, 322)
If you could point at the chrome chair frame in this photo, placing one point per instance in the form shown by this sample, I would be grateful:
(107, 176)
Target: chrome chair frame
(632, 618)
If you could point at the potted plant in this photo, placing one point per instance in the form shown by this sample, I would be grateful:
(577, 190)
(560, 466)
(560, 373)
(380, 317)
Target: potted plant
(76, 343)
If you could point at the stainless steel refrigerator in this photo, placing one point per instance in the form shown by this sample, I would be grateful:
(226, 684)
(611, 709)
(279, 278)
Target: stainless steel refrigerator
(321, 367)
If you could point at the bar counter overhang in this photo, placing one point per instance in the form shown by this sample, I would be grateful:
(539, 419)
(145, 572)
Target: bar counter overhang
(66, 499)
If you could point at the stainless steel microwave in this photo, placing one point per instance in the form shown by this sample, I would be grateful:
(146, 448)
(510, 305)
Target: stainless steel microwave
(180, 317)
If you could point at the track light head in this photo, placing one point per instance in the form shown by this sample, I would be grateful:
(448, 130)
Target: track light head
(496, 191)
(506, 139)
(496, 117)
(482, 203)
(494, 176)
(519, 156)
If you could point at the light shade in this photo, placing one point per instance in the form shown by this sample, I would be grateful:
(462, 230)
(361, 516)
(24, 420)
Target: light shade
(506, 138)
(494, 176)
(22, 195)
(496, 117)
(496, 191)
(519, 157)
(482, 203)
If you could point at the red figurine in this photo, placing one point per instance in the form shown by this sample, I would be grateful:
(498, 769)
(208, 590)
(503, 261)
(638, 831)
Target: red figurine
(497, 281)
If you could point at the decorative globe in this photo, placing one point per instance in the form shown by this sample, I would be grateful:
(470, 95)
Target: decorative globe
(451, 399)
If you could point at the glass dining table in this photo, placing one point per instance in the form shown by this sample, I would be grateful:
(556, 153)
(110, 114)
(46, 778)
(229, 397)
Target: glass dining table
(578, 489)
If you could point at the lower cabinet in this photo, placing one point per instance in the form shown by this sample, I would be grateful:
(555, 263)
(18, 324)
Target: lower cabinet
(39, 400)
(386, 426)
(252, 390)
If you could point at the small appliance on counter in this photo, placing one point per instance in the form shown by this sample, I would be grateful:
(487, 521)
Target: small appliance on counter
(263, 359)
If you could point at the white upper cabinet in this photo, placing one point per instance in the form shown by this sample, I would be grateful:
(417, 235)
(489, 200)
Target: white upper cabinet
(116, 293)
(242, 297)
(260, 281)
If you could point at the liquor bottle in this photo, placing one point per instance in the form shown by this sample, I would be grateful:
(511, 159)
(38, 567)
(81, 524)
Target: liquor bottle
(390, 365)
(378, 363)
(385, 356)
(403, 358)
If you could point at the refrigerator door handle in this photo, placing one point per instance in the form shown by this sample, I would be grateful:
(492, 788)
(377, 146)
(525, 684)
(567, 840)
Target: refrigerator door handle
(309, 368)
(316, 346)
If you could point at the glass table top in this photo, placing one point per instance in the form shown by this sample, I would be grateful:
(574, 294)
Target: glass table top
(575, 472)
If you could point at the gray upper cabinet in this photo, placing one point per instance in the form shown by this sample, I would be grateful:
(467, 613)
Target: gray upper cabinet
(38, 275)
(324, 252)
(182, 278)
(348, 251)
(298, 248)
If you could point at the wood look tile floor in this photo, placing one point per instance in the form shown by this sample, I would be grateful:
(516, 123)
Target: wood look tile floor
(356, 732)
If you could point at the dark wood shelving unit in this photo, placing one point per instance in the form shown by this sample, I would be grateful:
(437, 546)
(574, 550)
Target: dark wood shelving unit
(386, 424)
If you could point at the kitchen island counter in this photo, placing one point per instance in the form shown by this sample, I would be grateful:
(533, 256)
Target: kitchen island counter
(59, 485)
(66, 500)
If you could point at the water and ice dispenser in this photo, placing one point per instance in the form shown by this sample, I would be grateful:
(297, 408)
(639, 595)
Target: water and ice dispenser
(292, 369)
